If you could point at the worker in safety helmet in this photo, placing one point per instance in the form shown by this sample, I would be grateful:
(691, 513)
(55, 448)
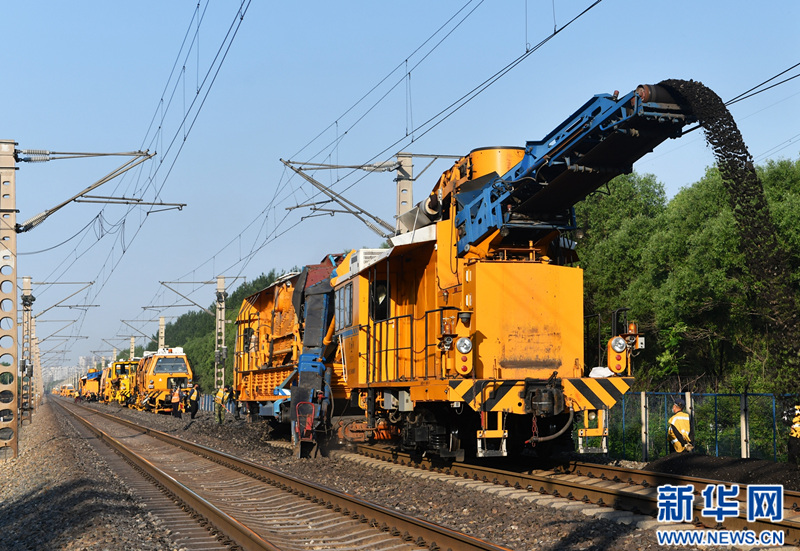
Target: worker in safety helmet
(794, 437)
(221, 399)
(680, 428)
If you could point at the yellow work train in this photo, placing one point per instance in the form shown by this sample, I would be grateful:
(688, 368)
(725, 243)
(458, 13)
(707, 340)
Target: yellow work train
(119, 381)
(157, 374)
(466, 335)
(89, 385)
(481, 354)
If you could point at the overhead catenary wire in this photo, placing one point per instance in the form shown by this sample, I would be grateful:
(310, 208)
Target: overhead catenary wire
(111, 263)
(215, 67)
(268, 225)
(434, 121)
(459, 103)
(258, 246)
(747, 93)
(400, 65)
(67, 240)
(440, 117)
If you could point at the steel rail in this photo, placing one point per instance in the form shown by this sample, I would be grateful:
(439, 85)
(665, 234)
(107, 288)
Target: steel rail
(232, 528)
(579, 481)
(650, 478)
(422, 533)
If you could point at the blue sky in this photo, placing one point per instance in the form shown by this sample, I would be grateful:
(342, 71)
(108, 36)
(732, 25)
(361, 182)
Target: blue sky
(94, 76)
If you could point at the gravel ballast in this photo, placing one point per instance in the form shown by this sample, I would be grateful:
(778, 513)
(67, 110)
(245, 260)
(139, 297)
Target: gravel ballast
(94, 511)
(58, 494)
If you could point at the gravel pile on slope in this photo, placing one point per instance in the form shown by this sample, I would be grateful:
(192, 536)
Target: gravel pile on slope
(729, 469)
(58, 494)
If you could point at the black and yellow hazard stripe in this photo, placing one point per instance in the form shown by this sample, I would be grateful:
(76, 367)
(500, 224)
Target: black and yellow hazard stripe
(488, 395)
(586, 393)
(581, 393)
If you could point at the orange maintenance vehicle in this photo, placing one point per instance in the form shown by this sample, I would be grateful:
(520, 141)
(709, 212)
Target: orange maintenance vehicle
(157, 374)
(466, 335)
(120, 381)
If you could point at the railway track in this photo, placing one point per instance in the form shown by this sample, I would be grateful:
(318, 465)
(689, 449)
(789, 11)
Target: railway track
(606, 486)
(252, 507)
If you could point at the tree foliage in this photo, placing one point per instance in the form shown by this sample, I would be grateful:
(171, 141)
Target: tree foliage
(680, 268)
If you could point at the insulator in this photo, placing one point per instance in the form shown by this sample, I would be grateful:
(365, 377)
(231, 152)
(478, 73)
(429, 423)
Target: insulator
(36, 158)
(34, 151)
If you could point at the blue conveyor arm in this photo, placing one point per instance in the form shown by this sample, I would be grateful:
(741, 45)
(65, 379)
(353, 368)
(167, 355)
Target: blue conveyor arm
(599, 141)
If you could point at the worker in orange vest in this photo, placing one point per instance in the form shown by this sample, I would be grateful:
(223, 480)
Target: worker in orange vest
(176, 402)
(680, 428)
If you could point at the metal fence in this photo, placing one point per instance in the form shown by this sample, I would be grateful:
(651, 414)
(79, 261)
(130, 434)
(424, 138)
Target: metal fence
(206, 403)
(731, 425)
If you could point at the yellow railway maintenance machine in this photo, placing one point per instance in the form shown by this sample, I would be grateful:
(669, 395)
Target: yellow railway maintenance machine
(122, 381)
(157, 375)
(466, 336)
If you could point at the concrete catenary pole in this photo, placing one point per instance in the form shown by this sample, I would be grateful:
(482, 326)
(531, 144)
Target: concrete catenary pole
(161, 330)
(9, 368)
(220, 350)
(405, 189)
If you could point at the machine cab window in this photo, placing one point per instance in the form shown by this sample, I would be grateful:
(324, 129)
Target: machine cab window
(170, 365)
(379, 300)
(344, 307)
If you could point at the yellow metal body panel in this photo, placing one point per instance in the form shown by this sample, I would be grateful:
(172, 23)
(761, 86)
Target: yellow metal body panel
(266, 359)
(527, 323)
(260, 384)
(494, 159)
(106, 390)
(90, 386)
(123, 380)
(506, 395)
(271, 321)
(531, 319)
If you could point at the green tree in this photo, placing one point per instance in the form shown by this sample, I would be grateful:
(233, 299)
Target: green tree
(690, 280)
(695, 289)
